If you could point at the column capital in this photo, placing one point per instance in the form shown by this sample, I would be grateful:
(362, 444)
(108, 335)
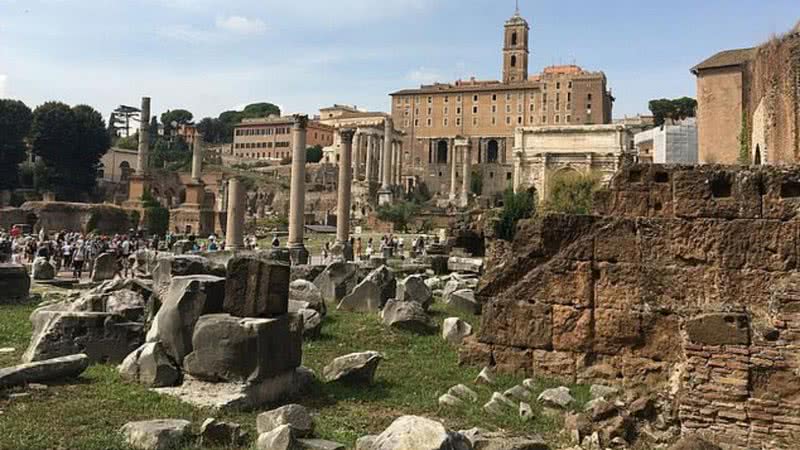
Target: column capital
(300, 121)
(347, 134)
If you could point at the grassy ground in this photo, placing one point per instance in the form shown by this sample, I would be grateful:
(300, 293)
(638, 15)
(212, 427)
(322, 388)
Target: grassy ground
(86, 414)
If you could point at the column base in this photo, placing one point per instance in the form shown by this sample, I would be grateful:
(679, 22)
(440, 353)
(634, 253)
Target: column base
(463, 200)
(385, 197)
(342, 251)
(298, 254)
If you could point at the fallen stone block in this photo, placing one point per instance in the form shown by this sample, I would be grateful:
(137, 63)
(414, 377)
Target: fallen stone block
(105, 266)
(295, 416)
(312, 323)
(454, 330)
(337, 281)
(319, 444)
(103, 337)
(414, 289)
(556, 398)
(419, 433)
(150, 365)
(463, 392)
(42, 371)
(372, 293)
(353, 368)
(170, 266)
(408, 316)
(165, 434)
(42, 270)
(308, 292)
(224, 434)
(256, 287)
(15, 283)
(280, 438)
(464, 301)
(468, 265)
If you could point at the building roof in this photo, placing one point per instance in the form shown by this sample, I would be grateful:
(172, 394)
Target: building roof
(727, 58)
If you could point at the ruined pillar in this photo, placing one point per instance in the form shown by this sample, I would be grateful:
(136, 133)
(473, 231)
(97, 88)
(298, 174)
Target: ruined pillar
(370, 157)
(453, 173)
(466, 174)
(342, 247)
(357, 156)
(197, 157)
(385, 193)
(297, 205)
(234, 232)
(142, 161)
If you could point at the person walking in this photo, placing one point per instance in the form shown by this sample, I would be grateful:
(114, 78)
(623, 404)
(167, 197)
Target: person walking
(78, 258)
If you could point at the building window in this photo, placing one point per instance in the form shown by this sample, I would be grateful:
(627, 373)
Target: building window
(508, 97)
(446, 110)
(445, 121)
(508, 109)
(513, 61)
(416, 100)
(519, 108)
(514, 38)
(508, 120)
(430, 99)
(589, 97)
(474, 110)
(494, 97)
(430, 111)
(446, 98)
(430, 122)
(475, 121)
(408, 99)
(533, 107)
(544, 119)
(416, 122)
(494, 108)
(458, 110)
(475, 98)
(458, 98)
(569, 85)
(519, 120)
(558, 85)
(569, 119)
(458, 121)
(405, 123)
(558, 118)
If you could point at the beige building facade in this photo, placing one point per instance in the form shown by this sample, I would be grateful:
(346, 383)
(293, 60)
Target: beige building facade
(542, 153)
(271, 139)
(486, 113)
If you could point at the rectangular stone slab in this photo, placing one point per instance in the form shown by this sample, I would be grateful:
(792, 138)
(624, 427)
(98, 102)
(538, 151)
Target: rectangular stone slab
(42, 371)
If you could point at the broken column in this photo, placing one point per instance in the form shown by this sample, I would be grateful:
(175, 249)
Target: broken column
(385, 193)
(142, 160)
(234, 233)
(453, 175)
(197, 157)
(342, 247)
(466, 174)
(370, 157)
(357, 155)
(297, 248)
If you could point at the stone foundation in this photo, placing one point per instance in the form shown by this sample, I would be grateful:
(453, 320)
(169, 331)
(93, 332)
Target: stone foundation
(685, 281)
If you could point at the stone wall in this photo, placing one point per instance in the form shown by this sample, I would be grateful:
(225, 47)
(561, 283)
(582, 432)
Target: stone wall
(684, 281)
(57, 216)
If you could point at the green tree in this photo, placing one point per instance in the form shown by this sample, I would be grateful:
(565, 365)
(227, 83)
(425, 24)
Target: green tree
(257, 110)
(314, 154)
(516, 207)
(571, 193)
(213, 130)
(91, 143)
(156, 217)
(129, 143)
(171, 154)
(398, 213)
(178, 116)
(53, 139)
(677, 109)
(15, 124)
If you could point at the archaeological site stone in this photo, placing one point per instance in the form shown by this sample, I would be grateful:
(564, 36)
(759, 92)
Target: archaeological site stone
(465, 265)
(145, 262)
(42, 270)
(306, 291)
(164, 434)
(214, 432)
(319, 444)
(693, 442)
(55, 369)
(105, 266)
(234, 349)
(103, 337)
(419, 433)
(15, 283)
(281, 438)
(372, 293)
(150, 365)
(353, 368)
(485, 440)
(337, 281)
(408, 316)
(450, 401)
(464, 300)
(454, 330)
(414, 289)
(463, 392)
(295, 416)
(171, 266)
(187, 299)
(312, 323)
(256, 287)
(556, 398)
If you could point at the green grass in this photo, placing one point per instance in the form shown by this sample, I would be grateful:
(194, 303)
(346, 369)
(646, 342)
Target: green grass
(86, 414)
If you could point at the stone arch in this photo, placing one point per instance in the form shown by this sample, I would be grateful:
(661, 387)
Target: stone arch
(492, 151)
(125, 171)
(441, 152)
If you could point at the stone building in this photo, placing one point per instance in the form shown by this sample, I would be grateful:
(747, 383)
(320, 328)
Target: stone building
(368, 125)
(270, 138)
(117, 165)
(486, 113)
(541, 153)
(751, 92)
(671, 143)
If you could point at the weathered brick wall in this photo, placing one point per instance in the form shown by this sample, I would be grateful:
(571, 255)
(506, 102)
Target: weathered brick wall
(685, 281)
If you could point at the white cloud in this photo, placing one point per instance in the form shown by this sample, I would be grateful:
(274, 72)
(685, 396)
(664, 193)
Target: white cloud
(424, 76)
(187, 33)
(3, 79)
(241, 25)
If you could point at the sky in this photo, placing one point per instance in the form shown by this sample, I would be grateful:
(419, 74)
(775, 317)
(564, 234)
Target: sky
(209, 56)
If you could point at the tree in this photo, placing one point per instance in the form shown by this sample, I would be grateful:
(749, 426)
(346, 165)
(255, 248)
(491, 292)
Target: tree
(129, 143)
(677, 109)
(213, 130)
(572, 193)
(15, 124)
(398, 213)
(314, 154)
(171, 154)
(257, 110)
(156, 217)
(91, 143)
(516, 207)
(178, 116)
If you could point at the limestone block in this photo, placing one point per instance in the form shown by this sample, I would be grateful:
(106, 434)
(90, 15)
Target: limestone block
(337, 281)
(256, 288)
(408, 316)
(105, 266)
(55, 369)
(719, 329)
(156, 434)
(42, 270)
(15, 283)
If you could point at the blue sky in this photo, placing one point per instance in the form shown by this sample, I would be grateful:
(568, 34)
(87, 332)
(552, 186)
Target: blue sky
(213, 55)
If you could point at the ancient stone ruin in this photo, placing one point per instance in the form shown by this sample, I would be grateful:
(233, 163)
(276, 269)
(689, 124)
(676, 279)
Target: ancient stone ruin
(685, 281)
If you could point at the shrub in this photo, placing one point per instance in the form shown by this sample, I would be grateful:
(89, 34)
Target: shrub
(571, 193)
(156, 217)
(516, 206)
(399, 214)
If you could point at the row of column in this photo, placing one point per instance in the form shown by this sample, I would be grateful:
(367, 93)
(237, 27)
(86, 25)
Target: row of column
(464, 147)
(369, 157)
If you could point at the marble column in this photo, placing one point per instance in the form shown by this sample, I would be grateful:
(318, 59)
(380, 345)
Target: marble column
(385, 193)
(297, 205)
(466, 174)
(370, 157)
(234, 232)
(453, 172)
(357, 156)
(142, 161)
(197, 157)
(342, 247)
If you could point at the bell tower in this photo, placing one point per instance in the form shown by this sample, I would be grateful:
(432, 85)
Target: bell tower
(515, 49)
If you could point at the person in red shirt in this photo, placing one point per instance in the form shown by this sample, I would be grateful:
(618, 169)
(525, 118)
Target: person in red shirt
(15, 231)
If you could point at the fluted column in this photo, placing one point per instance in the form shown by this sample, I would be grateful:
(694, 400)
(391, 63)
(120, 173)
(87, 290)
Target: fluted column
(197, 157)
(342, 247)
(386, 181)
(297, 206)
(466, 174)
(142, 159)
(357, 155)
(234, 232)
(370, 157)
(453, 172)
